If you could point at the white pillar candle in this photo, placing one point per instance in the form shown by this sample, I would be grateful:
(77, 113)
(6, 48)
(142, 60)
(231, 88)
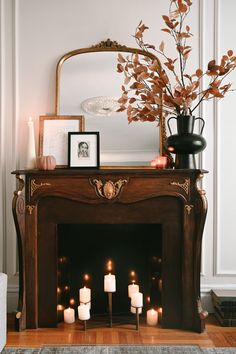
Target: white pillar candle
(30, 148)
(85, 295)
(152, 317)
(133, 310)
(132, 288)
(83, 312)
(110, 283)
(137, 300)
(69, 315)
(88, 304)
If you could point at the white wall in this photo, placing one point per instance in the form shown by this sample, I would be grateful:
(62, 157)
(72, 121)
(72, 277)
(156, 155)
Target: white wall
(35, 33)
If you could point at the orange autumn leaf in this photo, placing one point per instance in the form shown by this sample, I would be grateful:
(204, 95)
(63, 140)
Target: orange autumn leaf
(154, 86)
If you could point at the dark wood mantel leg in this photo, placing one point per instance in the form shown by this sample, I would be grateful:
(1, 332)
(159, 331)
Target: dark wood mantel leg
(18, 209)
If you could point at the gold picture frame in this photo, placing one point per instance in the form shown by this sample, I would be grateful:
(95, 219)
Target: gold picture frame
(53, 136)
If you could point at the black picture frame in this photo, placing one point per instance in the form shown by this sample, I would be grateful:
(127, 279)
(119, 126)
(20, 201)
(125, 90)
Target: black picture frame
(83, 150)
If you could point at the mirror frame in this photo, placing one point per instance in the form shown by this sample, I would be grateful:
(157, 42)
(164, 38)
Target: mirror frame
(109, 46)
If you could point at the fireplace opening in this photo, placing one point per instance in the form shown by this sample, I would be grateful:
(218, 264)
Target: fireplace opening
(84, 249)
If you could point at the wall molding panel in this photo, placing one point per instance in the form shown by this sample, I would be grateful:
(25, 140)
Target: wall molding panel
(224, 259)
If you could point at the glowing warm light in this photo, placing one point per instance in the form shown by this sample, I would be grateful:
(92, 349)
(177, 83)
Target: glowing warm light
(132, 288)
(60, 307)
(72, 302)
(153, 163)
(69, 315)
(160, 284)
(148, 299)
(132, 273)
(152, 317)
(160, 162)
(133, 276)
(86, 277)
(109, 265)
(66, 288)
(160, 313)
(58, 290)
(84, 295)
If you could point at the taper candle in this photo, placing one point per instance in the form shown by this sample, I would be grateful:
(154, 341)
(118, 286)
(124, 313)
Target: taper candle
(30, 148)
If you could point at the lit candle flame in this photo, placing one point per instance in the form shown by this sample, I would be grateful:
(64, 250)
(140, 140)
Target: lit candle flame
(86, 277)
(109, 265)
(148, 299)
(133, 276)
(58, 290)
(60, 307)
(66, 287)
(72, 302)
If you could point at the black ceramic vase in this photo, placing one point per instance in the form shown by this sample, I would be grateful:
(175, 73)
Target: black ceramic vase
(185, 144)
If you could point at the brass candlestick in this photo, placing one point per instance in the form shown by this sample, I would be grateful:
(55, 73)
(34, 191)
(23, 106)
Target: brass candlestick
(110, 308)
(137, 318)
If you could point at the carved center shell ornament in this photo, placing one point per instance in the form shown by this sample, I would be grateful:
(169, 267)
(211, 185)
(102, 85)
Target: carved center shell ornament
(108, 189)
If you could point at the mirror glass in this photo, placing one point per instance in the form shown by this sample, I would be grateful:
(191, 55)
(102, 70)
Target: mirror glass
(88, 84)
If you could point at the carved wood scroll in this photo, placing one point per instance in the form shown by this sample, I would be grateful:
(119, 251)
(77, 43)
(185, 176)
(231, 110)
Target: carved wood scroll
(108, 189)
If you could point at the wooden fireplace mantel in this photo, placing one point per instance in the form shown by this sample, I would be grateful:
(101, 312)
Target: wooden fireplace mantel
(45, 198)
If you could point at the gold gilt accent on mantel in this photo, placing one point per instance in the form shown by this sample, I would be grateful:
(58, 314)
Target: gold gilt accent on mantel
(30, 208)
(189, 208)
(108, 189)
(34, 186)
(184, 186)
(109, 44)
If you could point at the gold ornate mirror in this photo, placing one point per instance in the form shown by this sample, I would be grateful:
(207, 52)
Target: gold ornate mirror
(87, 83)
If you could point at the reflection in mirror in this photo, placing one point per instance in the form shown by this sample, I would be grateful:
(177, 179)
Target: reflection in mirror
(88, 84)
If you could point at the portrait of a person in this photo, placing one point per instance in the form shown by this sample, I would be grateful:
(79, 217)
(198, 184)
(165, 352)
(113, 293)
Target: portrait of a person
(83, 149)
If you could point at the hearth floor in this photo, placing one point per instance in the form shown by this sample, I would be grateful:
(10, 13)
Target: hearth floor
(64, 334)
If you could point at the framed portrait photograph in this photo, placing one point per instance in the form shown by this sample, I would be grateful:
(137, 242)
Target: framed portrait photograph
(83, 149)
(53, 136)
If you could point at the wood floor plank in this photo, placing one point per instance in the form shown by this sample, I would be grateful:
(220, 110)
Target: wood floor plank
(64, 334)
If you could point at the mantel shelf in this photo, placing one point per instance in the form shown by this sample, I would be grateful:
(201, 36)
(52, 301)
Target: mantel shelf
(113, 170)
